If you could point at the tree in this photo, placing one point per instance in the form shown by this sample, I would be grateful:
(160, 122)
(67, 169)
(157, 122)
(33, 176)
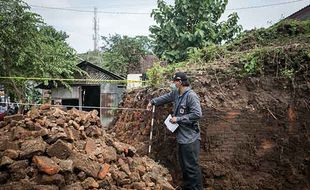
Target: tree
(122, 53)
(190, 24)
(29, 48)
(95, 57)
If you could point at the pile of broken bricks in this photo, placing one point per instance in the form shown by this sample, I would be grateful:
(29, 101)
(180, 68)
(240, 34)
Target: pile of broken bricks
(51, 148)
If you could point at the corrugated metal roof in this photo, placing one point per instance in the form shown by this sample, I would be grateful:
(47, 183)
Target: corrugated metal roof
(98, 72)
(94, 72)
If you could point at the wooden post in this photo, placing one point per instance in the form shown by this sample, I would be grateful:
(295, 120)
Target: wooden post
(151, 133)
(80, 98)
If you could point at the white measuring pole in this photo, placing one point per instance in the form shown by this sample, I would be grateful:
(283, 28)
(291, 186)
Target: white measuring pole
(151, 133)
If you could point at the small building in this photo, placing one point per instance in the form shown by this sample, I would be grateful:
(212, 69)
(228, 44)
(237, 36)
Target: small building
(134, 77)
(101, 94)
(139, 72)
(303, 14)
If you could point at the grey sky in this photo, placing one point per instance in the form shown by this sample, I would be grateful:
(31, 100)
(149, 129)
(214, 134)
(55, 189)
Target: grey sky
(79, 25)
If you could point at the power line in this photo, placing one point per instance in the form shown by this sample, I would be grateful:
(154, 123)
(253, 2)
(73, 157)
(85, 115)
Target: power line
(141, 13)
(86, 11)
(267, 5)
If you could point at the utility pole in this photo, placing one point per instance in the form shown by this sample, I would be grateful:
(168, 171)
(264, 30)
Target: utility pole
(96, 28)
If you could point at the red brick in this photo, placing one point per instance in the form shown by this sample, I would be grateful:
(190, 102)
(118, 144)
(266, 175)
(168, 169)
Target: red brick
(232, 114)
(60, 122)
(6, 161)
(40, 122)
(20, 133)
(17, 169)
(89, 183)
(124, 166)
(103, 171)
(141, 169)
(45, 107)
(32, 147)
(90, 146)
(59, 149)
(16, 117)
(75, 125)
(83, 163)
(13, 154)
(72, 133)
(53, 179)
(7, 144)
(46, 165)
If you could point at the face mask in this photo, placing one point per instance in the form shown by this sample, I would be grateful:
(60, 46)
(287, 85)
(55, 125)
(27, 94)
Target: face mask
(173, 87)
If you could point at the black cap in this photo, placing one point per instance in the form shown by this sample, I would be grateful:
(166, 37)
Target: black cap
(179, 76)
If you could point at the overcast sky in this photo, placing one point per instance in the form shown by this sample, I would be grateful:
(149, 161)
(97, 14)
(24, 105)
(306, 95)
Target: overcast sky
(79, 25)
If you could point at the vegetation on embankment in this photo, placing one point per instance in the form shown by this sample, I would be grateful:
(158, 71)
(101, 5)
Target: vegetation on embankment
(282, 50)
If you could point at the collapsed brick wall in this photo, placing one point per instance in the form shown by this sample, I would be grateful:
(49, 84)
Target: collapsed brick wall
(255, 133)
(50, 148)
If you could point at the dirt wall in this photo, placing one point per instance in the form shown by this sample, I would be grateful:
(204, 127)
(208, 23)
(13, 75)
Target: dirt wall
(255, 132)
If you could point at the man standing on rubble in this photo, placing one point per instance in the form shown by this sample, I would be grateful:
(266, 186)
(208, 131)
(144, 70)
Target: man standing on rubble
(187, 112)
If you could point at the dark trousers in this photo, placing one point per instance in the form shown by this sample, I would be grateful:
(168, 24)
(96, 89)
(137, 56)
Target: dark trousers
(189, 161)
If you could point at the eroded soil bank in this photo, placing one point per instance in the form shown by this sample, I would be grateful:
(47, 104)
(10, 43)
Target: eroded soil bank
(255, 132)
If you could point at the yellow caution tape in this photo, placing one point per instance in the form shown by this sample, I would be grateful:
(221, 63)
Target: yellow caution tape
(77, 80)
(76, 106)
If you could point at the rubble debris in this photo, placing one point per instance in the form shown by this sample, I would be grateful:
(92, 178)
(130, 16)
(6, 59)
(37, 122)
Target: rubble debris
(50, 148)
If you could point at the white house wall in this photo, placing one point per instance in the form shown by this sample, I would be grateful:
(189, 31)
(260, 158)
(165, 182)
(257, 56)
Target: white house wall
(134, 77)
